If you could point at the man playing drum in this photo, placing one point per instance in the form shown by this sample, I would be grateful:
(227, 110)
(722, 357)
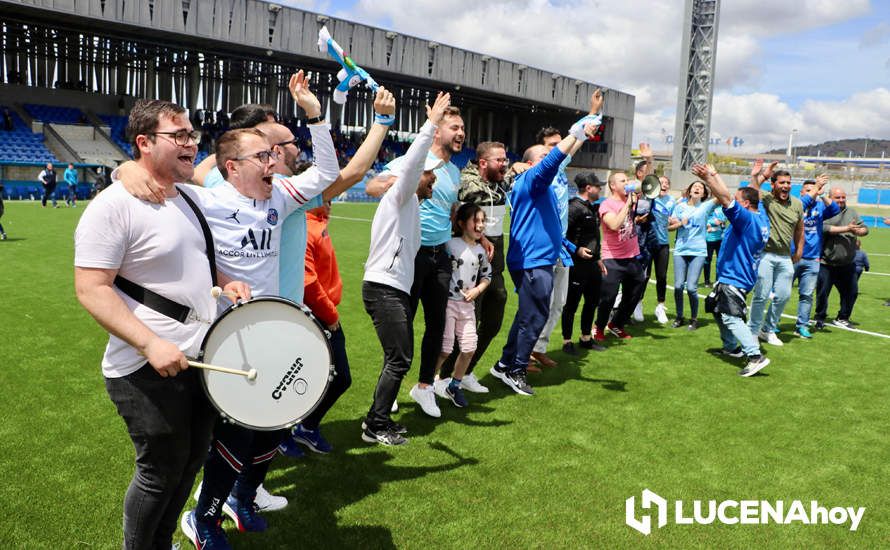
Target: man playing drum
(162, 252)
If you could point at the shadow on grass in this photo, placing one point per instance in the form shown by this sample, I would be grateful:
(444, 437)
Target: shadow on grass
(13, 239)
(326, 484)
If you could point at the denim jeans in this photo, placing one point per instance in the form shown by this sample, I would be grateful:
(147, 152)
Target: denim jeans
(807, 273)
(390, 310)
(774, 274)
(687, 270)
(534, 287)
(170, 422)
(734, 332)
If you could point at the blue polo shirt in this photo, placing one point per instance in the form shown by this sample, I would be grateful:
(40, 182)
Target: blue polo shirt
(742, 246)
(814, 213)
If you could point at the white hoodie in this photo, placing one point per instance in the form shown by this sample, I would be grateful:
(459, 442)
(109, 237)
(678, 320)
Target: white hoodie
(395, 231)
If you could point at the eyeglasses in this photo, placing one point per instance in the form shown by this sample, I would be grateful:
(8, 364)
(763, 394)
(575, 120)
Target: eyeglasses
(288, 142)
(180, 137)
(501, 160)
(262, 156)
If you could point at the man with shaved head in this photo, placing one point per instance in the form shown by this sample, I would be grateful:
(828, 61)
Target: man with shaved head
(838, 268)
(536, 240)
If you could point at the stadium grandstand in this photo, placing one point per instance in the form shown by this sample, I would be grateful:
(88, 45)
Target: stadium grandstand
(71, 69)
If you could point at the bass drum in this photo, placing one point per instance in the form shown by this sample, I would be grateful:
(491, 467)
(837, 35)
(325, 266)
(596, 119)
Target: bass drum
(288, 348)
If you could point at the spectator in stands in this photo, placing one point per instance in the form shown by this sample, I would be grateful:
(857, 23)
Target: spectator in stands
(70, 177)
(8, 124)
(47, 178)
(585, 276)
(776, 269)
(838, 267)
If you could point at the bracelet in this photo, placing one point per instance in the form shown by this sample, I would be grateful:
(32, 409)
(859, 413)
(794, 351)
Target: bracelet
(384, 120)
(315, 120)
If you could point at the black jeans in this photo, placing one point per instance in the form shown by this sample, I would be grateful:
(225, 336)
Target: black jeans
(713, 249)
(585, 280)
(49, 193)
(489, 311)
(237, 464)
(842, 277)
(661, 257)
(341, 382)
(170, 422)
(432, 275)
(390, 310)
(629, 275)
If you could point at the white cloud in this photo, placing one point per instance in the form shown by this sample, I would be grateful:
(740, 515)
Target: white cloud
(635, 48)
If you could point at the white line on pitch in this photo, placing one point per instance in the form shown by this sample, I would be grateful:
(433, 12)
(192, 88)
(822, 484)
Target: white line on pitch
(350, 219)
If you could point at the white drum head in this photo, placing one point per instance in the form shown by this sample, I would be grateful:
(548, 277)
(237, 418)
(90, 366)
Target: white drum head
(290, 353)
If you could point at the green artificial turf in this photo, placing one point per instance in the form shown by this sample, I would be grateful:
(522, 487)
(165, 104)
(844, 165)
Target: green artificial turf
(551, 471)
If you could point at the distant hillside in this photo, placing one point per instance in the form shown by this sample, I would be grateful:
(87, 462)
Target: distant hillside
(842, 148)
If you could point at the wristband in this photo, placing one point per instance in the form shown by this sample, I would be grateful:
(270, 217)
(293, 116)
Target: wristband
(315, 120)
(384, 120)
(577, 129)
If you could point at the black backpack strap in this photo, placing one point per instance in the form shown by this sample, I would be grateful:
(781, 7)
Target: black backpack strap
(155, 301)
(208, 237)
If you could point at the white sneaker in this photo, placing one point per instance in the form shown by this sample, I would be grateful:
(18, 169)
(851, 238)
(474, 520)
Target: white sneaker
(439, 386)
(197, 495)
(661, 314)
(267, 502)
(426, 399)
(770, 338)
(470, 383)
(395, 407)
(638, 313)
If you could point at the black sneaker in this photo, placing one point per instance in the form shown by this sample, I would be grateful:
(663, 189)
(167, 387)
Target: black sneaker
(693, 324)
(678, 322)
(569, 348)
(756, 363)
(733, 353)
(391, 426)
(517, 382)
(819, 325)
(456, 395)
(384, 436)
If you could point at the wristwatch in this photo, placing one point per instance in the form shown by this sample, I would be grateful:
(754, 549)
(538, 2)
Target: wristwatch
(315, 120)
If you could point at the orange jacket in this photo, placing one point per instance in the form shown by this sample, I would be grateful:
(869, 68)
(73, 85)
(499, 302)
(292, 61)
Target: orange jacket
(323, 286)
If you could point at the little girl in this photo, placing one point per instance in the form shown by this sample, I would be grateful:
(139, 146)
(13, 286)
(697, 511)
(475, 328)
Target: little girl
(470, 276)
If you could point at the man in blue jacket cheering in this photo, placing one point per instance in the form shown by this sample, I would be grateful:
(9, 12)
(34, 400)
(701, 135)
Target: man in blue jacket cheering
(536, 237)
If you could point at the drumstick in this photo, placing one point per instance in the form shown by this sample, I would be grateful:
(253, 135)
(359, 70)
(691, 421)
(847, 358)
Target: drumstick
(249, 374)
(216, 292)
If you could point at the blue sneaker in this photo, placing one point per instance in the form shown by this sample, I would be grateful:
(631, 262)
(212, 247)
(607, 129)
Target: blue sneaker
(204, 536)
(803, 332)
(311, 439)
(290, 448)
(245, 514)
(456, 395)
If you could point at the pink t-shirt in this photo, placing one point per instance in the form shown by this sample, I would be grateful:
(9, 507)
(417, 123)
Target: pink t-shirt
(619, 244)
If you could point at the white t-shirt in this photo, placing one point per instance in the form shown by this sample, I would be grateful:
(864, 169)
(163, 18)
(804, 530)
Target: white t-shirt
(469, 265)
(161, 248)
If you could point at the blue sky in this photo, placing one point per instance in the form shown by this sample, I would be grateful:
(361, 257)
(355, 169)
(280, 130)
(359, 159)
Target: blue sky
(821, 67)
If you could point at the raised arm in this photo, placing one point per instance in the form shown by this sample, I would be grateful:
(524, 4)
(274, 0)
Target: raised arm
(709, 175)
(412, 168)
(759, 174)
(361, 162)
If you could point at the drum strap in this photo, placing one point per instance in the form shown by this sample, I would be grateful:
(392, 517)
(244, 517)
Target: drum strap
(155, 301)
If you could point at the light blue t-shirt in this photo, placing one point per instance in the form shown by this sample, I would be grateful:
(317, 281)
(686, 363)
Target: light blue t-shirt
(691, 237)
(716, 221)
(213, 178)
(560, 188)
(661, 210)
(435, 212)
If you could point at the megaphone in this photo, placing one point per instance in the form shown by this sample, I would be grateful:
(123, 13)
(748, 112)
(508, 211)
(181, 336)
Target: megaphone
(650, 187)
